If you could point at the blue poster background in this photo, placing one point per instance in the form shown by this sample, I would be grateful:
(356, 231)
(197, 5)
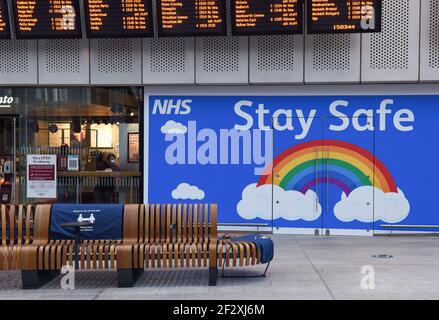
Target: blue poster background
(409, 153)
(107, 221)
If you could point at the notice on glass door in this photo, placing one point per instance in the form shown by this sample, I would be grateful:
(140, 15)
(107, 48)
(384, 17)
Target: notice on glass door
(41, 176)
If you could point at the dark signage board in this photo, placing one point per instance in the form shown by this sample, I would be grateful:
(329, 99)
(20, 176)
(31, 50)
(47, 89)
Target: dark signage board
(180, 18)
(265, 17)
(5, 28)
(45, 19)
(344, 16)
(119, 18)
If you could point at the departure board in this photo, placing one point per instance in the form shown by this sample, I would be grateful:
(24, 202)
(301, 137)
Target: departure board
(191, 17)
(5, 31)
(119, 18)
(40, 19)
(265, 17)
(344, 16)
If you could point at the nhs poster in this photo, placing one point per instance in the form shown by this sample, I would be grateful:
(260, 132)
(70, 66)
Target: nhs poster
(299, 162)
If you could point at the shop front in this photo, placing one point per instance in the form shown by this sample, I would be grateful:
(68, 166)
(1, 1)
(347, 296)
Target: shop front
(71, 145)
(323, 160)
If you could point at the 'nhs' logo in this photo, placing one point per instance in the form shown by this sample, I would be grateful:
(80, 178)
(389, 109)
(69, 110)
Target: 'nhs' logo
(169, 106)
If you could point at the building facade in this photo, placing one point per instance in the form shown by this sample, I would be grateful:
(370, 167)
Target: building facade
(320, 134)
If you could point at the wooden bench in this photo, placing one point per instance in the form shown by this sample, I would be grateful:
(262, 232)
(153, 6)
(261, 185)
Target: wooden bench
(16, 228)
(153, 236)
(44, 258)
(168, 236)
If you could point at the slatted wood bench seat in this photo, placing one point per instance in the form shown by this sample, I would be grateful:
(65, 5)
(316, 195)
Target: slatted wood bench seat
(153, 236)
(240, 250)
(45, 257)
(237, 253)
(16, 228)
(168, 236)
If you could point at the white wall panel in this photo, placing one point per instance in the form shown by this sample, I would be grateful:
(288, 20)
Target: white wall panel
(18, 62)
(332, 58)
(276, 59)
(116, 61)
(429, 60)
(63, 61)
(168, 60)
(393, 54)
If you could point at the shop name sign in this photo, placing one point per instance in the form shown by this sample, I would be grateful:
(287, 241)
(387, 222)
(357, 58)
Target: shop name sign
(6, 101)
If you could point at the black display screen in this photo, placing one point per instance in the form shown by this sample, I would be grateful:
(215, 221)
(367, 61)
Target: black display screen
(42, 19)
(191, 17)
(265, 17)
(344, 16)
(119, 18)
(5, 30)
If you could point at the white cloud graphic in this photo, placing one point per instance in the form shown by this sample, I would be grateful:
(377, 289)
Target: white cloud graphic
(172, 127)
(368, 204)
(262, 202)
(185, 191)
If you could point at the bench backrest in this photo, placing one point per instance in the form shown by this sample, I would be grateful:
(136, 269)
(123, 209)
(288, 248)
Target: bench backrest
(159, 223)
(151, 223)
(17, 223)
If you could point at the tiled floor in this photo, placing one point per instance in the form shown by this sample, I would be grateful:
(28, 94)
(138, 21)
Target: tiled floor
(304, 267)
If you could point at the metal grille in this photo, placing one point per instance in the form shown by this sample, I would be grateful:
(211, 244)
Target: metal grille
(168, 55)
(331, 52)
(433, 49)
(389, 49)
(115, 55)
(14, 56)
(275, 53)
(62, 56)
(221, 54)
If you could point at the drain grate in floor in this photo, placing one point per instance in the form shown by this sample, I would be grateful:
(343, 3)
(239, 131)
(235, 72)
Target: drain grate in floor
(382, 256)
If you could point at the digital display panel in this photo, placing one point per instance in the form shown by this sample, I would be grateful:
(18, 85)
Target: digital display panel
(344, 16)
(41, 19)
(119, 18)
(5, 31)
(191, 17)
(265, 17)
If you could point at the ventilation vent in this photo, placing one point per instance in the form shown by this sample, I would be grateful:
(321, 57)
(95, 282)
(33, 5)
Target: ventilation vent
(115, 55)
(275, 53)
(14, 56)
(168, 55)
(221, 54)
(389, 49)
(331, 52)
(62, 56)
(433, 50)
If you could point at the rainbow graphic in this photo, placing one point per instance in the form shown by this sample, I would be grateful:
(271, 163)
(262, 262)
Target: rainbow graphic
(334, 162)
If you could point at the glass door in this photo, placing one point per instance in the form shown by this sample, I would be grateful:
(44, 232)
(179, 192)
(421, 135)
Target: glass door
(296, 179)
(348, 186)
(324, 184)
(8, 158)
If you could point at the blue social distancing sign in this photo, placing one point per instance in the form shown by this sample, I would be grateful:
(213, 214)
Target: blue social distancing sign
(106, 220)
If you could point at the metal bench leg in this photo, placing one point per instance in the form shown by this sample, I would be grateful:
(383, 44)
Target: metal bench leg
(33, 279)
(127, 277)
(224, 276)
(213, 275)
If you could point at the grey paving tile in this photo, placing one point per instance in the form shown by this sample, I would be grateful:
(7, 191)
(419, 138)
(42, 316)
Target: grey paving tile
(305, 267)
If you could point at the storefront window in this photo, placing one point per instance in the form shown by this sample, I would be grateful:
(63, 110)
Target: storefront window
(70, 145)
